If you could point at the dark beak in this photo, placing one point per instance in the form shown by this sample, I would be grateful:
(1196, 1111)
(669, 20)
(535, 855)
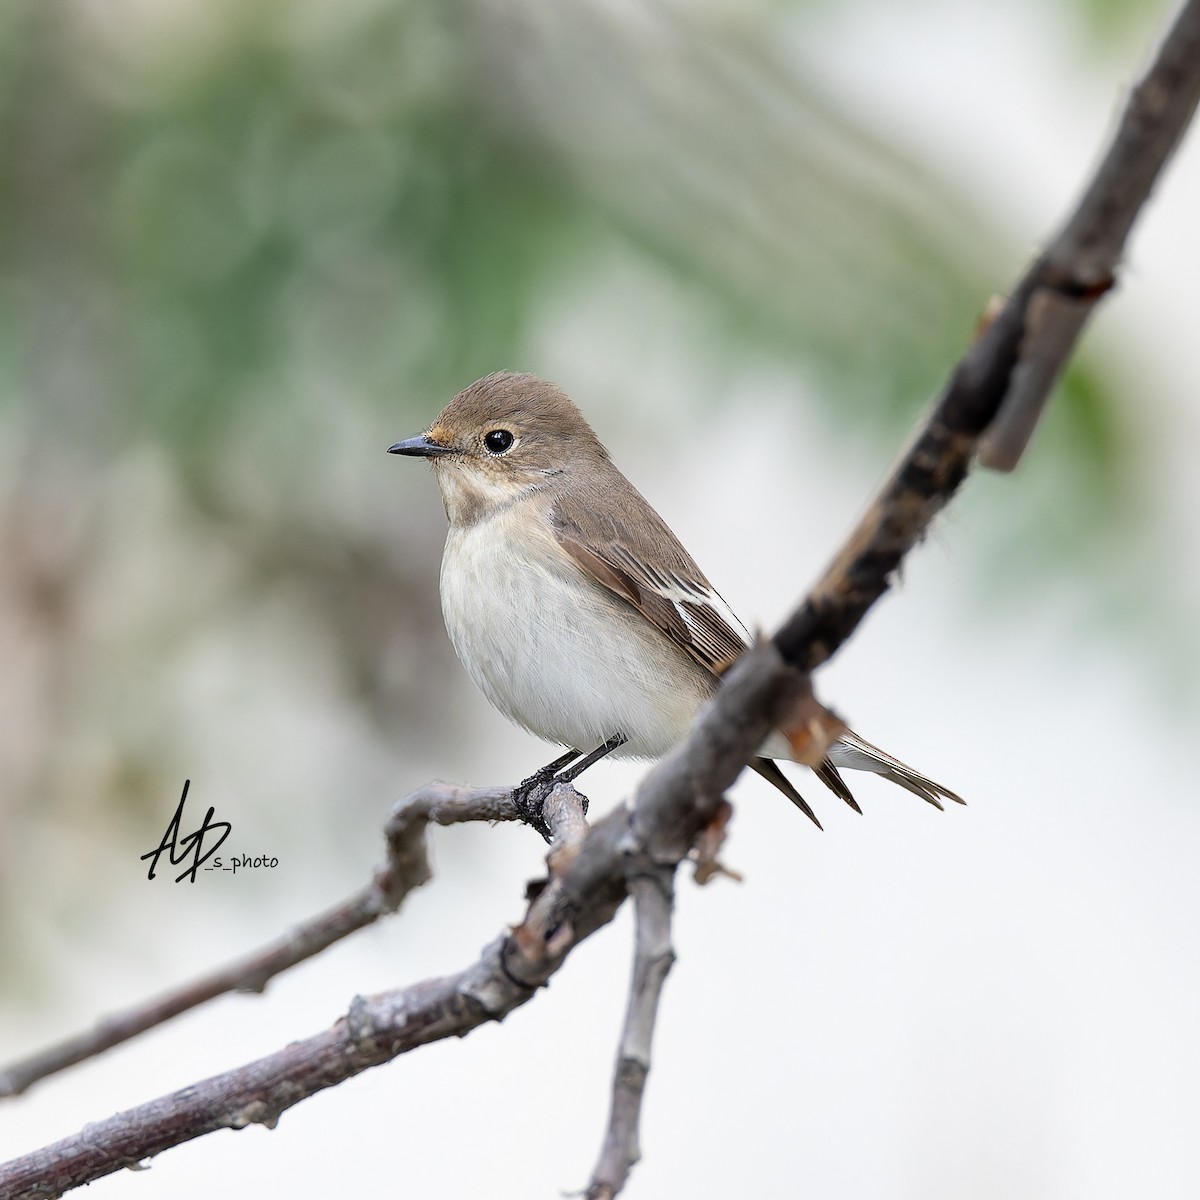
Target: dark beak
(419, 447)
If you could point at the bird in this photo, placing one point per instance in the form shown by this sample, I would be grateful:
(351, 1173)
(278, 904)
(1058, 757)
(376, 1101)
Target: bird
(572, 605)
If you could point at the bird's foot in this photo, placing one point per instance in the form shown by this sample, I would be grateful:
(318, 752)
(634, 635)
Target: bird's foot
(529, 798)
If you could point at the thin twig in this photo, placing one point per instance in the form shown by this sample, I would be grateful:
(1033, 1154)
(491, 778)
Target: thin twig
(405, 868)
(653, 898)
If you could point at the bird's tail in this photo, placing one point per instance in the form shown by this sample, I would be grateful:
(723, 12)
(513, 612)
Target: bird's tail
(770, 771)
(857, 754)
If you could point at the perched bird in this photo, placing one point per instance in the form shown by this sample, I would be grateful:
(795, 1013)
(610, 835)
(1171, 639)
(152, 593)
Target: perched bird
(571, 604)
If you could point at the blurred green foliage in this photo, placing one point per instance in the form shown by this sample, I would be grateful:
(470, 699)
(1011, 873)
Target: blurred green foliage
(384, 201)
(336, 206)
(238, 240)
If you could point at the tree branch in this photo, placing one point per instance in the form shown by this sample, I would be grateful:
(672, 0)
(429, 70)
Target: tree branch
(374, 1030)
(1078, 266)
(1006, 375)
(570, 907)
(653, 900)
(405, 868)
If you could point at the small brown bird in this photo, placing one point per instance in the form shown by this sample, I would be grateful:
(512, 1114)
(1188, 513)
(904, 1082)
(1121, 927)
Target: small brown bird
(572, 605)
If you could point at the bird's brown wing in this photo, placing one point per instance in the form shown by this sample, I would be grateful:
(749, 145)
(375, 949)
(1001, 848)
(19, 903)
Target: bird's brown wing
(631, 552)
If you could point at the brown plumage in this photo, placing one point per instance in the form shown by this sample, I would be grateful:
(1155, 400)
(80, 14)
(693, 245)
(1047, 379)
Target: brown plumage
(517, 461)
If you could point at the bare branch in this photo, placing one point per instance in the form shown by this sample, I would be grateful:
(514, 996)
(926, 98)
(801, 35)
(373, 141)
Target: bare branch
(1078, 266)
(1156, 115)
(653, 899)
(572, 906)
(374, 1031)
(406, 867)
(1017, 357)
(564, 816)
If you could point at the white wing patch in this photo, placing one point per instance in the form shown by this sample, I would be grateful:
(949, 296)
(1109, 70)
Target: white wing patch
(714, 635)
(712, 625)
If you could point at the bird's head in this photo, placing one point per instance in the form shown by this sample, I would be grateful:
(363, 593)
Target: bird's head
(504, 435)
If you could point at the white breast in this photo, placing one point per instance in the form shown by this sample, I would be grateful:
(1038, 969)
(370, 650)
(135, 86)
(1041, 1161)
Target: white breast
(555, 651)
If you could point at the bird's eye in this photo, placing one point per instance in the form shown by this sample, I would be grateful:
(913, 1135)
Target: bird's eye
(498, 441)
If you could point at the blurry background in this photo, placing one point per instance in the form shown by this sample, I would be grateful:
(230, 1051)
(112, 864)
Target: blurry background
(246, 246)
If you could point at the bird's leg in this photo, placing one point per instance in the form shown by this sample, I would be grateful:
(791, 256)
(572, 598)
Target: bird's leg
(592, 757)
(530, 794)
(549, 770)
